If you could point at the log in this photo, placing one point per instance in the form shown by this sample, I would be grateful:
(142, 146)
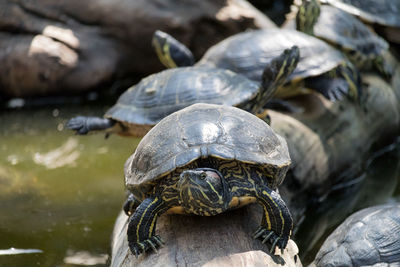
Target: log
(71, 46)
(327, 142)
(222, 240)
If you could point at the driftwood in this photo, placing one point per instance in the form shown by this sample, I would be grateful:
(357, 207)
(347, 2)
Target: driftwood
(71, 46)
(327, 141)
(211, 241)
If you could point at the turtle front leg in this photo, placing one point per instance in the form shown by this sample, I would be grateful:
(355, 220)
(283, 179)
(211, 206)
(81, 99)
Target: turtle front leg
(277, 222)
(142, 225)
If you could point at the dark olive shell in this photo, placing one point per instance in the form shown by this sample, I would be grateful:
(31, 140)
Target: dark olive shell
(200, 131)
(348, 32)
(369, 237)
(163, 93)
(383, 12)
(248, 53)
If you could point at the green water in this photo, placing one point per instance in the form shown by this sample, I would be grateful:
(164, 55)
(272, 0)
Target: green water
(63, 202)
(61, 193)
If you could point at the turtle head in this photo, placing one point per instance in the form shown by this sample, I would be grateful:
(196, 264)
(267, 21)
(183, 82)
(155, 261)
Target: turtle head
(307, 15)
(170, 51)
(203, 191)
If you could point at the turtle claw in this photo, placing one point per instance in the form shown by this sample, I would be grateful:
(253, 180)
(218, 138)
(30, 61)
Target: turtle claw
(158, 240)
(274, 245)
(136, 252)
(268, 235)
(153, 247)
(259, 232)
(152, 243)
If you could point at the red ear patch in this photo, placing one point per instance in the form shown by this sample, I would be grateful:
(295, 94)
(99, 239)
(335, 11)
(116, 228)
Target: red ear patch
(213, 174)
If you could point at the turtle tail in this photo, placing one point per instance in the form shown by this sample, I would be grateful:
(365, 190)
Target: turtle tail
(170, 51)
(275, 75)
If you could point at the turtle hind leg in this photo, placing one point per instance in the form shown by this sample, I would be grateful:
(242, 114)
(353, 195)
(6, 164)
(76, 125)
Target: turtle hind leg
(82, 125)
(343, 81)
(277, 222)
(142, 225)
(332, 89)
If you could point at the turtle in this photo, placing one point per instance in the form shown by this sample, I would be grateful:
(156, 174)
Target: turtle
(361, 44)
(384, 15)
(321, 67)
(158, 95)
(369, 237)
(206, 159)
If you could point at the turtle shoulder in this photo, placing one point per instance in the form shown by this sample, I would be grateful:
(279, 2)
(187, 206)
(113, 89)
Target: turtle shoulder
(200, 131)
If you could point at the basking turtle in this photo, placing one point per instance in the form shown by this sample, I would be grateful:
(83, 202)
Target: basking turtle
(206, 159)
(369, 237)
(321, 67)
(383, 13)
(160, 94)
(361, 44)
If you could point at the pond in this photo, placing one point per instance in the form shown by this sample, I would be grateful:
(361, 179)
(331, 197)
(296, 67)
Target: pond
(61, 193)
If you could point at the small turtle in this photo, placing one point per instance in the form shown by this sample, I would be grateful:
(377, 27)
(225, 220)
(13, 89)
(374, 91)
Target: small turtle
(362, 45)
(206, 159)
(383, 13)
(370, 237)
(160, 94)
(321, 67)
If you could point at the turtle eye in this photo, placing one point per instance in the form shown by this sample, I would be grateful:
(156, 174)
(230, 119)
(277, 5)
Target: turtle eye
(203, 175)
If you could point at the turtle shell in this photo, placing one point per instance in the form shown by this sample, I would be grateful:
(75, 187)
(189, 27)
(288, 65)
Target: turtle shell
(248, 53)
(201, 131)
(369, 237)
(163, 93)
(383, 12)
(346, 31)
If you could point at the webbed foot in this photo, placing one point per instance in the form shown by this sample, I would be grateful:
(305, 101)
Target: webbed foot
(82, 125)
(151, 243)
(78, 124)
(271, 237)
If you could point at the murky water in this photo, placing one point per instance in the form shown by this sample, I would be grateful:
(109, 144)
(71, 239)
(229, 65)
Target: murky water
(60, 193)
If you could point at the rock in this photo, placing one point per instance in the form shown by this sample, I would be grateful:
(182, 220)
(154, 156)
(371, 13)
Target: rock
(70, 46)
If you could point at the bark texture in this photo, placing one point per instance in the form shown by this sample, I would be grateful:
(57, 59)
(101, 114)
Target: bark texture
(70, 46)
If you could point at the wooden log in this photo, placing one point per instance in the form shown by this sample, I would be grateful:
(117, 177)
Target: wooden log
(204, 241)
(71, 46)
(327, 141)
